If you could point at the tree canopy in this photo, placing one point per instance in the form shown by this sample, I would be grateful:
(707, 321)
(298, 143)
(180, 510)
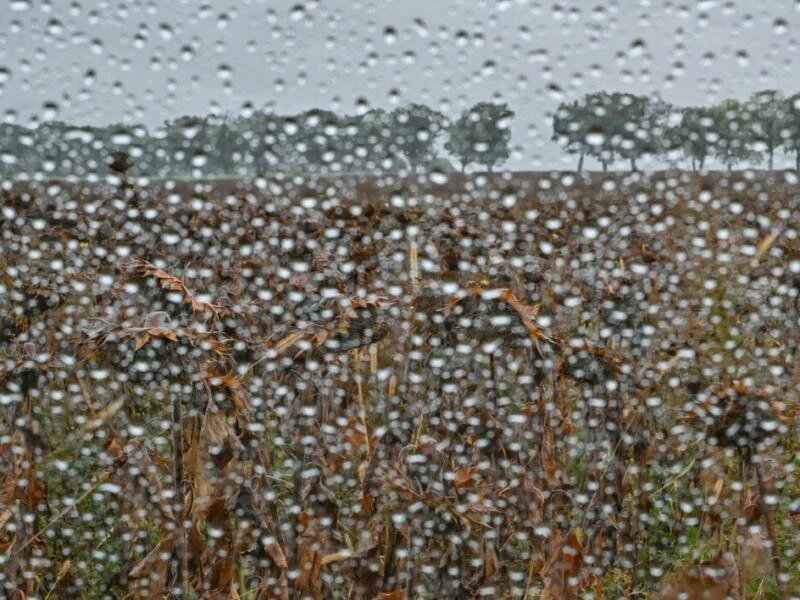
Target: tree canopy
(481, 135)
(611, 126)
(255, 143)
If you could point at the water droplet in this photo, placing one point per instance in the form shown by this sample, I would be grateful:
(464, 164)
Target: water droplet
(637, 48)
(190, 130)
(742, 58)
(99, 374)
(290, 127)
(297, 13)
(595, 138)
(438, 177)
(55, 27)
(121, 138)
(390, 35)
(509, 200)
(49, 111)
(780, 26)
(224, 72)
(362, 106)
(20, 5)
(166, 31)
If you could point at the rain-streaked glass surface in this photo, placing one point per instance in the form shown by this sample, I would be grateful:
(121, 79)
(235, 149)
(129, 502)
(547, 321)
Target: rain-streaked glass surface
(386, 300)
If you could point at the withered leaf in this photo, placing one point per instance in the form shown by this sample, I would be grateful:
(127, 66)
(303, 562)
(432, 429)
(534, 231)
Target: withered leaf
(104, 415)
(142, 339)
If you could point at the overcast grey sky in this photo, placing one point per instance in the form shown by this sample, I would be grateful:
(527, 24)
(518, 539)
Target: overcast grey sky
(146, 61)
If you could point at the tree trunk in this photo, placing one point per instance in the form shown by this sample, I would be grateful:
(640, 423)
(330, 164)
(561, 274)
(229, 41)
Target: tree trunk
(770, 153)
(633, 164)
(702, 162)
(605, 166)
(694, 165)
(463, 167)
(580, 162)
(730, 167)
(797, 159)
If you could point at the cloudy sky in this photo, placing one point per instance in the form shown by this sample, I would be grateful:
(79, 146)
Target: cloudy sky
(149, 60)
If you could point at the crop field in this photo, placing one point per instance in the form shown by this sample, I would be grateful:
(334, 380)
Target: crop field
(526, 385)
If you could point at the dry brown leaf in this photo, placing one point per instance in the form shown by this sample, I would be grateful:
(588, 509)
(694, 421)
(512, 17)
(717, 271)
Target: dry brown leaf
(712, 580)
(309, 565)
(717, 491)
(287, 342)
(215, 429)
(464, 476)
(548, 454)
(233, 594)
(165, 332)
(141, 339)
(223, 574)
(353, 434)
(566, 424)
(104, 415)
(230, 380)
(5, 515)
(170, 282)
(337, 556)
(766, 244)
(275, 552)
(490, 561)
(368, 502)
(36, 490)
(527, 316)
(395, 595)
(563, 567)
(62, 572)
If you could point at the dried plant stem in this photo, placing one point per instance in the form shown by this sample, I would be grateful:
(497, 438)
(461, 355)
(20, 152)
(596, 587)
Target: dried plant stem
(773, 538)
(742, 503)
(180, 517)
(390, 543)
(373, 359)
(531, 572)
(632, 527)
(413, 263)
(361, 403)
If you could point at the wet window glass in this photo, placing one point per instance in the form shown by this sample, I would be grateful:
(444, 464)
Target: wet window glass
(387, 299)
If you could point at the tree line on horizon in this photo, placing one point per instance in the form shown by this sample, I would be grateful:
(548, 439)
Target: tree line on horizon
(253, 143)
(608, 126)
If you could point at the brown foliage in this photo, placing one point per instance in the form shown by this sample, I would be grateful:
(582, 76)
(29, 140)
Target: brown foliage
(516, 414)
